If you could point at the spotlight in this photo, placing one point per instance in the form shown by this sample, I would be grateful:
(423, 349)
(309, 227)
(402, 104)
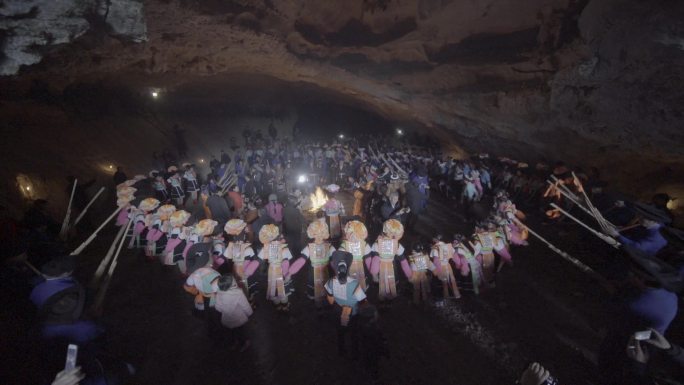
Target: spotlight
(28, 188)
(111, 167)
(341, 136)
(201, 160)
(155, 94)
(400, 131)
(302, 179)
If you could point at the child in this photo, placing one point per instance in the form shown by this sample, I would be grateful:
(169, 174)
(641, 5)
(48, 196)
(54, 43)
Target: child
(235, 310)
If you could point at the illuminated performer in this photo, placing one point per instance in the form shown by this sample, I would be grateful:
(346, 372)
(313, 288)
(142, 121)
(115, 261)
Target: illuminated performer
(468, 263)
(334, 209)
(203, 284)
(388, 248)
(355, 234)
(240, 252)
(174, 244)
(177, 194)
(157, 227)
(318, 252)
(509, 213)
(124, 195)
(198, 247)
(420, 264)
(146, 206)
(483, 243)
(442, 253)
(191, 184)
(277, 255)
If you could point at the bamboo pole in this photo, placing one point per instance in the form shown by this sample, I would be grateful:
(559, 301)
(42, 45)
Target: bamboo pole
(85, 243)
(99, 299)
(65, 223)
(603, 237)
(108, 257)
(88, 206)
(563, 254)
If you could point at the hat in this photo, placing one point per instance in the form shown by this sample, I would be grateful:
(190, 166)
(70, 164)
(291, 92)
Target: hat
(219, 248)
(338, 257)
(318, 229)
(205, 227)
(650, 212)
(179, 218)
(124, 200)
(172, 169)
(333, 188)
(655, 269)
(125, 191)
(187, 165)
(268, 233)
(165, 211)
(235, 226)
(355, 231)
(393, 228)
(153, 173)
(148, 204)
(139, 177)
(58, 266)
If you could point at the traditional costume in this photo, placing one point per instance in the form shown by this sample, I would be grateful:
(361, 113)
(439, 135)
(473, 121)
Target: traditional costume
(388, 248)
(418, 275)
(203, 284)
(139, 220)
(159, 186)
(468, 262)
(355, 234)
(157, 228)
(177, 193)
(240, 252)
(483, 245)
(278, 256)
(175, 243)
(191, 184)
(441, 253)
(199, 247)
(333, 210)
(318, 252)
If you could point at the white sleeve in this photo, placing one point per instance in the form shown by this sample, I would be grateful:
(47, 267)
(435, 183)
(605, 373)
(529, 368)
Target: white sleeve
(328, 287)
(434, 253)
(359, 295)
(368, 250)
(190, 281)
(287, 254)
(261, 253)
(375, 247)
(305, 251)
(400, 250)
(331, 250)
(249, 252)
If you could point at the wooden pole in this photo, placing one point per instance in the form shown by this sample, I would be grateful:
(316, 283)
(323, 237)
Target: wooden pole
(80, 216)
(604, 237)
(85, 243)
(65, 223)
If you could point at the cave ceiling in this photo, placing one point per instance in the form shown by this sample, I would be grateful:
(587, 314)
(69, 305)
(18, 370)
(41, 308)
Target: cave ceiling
(574, 79)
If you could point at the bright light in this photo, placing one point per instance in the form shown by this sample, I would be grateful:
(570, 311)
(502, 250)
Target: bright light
(201, 160)
(111, 167)
(302, 179)
(28, 188)
(341, 136)
(318, 200)
(672, 204)
(400, 131)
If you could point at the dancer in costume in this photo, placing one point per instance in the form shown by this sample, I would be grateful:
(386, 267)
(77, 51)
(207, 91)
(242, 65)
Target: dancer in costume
(278, 256)
(334, 209)
(318, 252)
(174, 180)
(418, 274)
(191, 184)
(442, 253)
(240, 252)
(175, 244)
(157, 229)
(355, 234)
(388, 248)
(145, 207)
(468, 263)
(483, 242)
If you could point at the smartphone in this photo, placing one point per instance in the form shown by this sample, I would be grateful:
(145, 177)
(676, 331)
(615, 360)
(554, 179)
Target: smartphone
(644, 335)
(72, 353)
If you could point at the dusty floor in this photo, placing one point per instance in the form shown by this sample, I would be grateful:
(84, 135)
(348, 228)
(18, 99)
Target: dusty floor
(543, 309)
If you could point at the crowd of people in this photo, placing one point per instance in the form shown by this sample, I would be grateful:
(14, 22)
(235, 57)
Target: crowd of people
(256, 222)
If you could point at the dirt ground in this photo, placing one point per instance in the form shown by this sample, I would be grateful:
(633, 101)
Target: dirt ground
(542, 309)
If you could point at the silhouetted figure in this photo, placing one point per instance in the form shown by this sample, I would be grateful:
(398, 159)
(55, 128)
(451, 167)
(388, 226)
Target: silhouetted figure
(181, 144)
(119, 176)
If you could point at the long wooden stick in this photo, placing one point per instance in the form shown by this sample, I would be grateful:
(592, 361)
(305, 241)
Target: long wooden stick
(65, 223)
(97, 306)
(602, 222)
(603, 237)
(80, 216)
(108, 257)
(85, 243)
(30, 266)
(563, 254)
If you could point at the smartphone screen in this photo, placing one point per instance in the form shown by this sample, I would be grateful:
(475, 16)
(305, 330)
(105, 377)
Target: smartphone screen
(72, 353)
(641, 336)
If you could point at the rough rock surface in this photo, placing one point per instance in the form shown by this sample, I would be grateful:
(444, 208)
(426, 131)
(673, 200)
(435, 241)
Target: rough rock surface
(588, 81)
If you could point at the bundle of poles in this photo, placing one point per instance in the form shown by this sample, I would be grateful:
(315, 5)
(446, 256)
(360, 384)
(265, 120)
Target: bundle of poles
(64, 231)
(389, 161)
(585, 205)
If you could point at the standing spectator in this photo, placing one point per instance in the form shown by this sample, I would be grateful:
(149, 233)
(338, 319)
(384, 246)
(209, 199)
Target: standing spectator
(119, 176)
(236, 197)
(235, 310)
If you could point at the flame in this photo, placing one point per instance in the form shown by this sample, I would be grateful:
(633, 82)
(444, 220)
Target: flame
(317, 200)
